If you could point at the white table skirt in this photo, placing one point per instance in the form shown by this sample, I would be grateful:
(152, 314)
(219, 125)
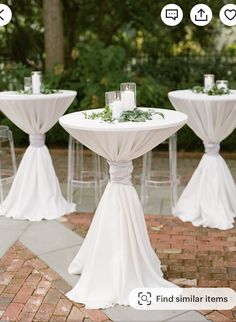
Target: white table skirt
(116, 255)
(209, 199)
(35, 193)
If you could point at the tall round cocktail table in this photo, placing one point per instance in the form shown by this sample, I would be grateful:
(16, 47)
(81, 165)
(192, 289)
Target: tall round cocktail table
(35, 193)
(116, 255)
(209, 199)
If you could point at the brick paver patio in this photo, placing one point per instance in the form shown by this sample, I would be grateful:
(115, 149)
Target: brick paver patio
(31, 291)
(191, 256)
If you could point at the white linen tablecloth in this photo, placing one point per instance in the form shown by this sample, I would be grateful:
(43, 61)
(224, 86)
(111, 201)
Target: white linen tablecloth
(35, 193)
(116, 255)
(209, 199)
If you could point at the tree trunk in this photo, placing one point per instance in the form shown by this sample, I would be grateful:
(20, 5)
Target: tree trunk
(53, 33)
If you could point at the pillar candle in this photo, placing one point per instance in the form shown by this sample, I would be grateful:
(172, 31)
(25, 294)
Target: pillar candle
(36, 82)
(209, 80)
(117, 109)
(128, 100)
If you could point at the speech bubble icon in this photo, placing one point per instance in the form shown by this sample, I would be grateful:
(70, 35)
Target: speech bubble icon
(172, 13)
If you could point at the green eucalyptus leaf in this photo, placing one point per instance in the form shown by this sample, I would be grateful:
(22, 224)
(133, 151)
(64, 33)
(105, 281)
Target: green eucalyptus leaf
(211, 92)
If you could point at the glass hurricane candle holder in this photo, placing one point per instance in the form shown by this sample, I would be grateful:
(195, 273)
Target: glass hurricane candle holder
(36, 82)
(222, 84)
(128, 96)
(14, 85)
(209, 81)
(28, 85)
(113, 100)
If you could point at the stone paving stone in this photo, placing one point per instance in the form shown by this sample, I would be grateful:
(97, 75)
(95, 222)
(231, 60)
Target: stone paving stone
(45, 312)
(61, 285)
(15, 265)
(42, 287)
(24, 271)
(5, 300)
(217, 317)
(69, 225)
(60, 260)
(33, 279)
(228, 314)
(25, 317)
(33, 303)
(49, 274)
(5, 278)
(128, 314)
(47, 236)
(94, 315)
(63, 307)
(52, 297)
(75, 315)
(12, 311)
(189, 316)
(14, 285)
(23, 295)
(10, 230)
(36, 263)
(58, 318)
(2, 287)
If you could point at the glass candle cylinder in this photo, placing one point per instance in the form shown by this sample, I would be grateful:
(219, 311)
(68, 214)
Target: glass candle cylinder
(36, 82)
(28, 84)
(113, 100)
(222, 84)
(128, 96)
(209, 80)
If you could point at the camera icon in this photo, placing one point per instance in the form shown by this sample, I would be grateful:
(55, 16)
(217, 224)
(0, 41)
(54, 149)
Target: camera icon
(144, 298)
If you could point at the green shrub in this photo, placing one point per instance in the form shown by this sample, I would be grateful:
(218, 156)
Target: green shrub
(97, 68)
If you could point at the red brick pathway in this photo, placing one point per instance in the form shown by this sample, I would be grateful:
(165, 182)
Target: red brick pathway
(31, 291)
(191, 256)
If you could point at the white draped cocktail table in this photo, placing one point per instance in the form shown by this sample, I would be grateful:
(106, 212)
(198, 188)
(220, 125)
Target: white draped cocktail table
(210, 196)
(35, 193)
(116, 255)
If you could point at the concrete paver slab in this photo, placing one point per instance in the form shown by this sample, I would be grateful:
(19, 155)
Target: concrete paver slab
(59, 261)
(190, 316)
(128, 314)
(47, 236)
(10, 231)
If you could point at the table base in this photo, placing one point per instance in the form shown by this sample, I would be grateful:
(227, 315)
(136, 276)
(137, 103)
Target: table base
(209, 199)
(116, 255)
(35, 193)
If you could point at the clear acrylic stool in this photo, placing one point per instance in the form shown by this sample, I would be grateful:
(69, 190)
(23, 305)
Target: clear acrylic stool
(90, 174)
(154, 178)
(7, 161)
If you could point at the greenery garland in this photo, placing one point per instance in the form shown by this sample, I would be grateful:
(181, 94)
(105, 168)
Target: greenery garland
(213, 91)
(137, 115)
(105, 115)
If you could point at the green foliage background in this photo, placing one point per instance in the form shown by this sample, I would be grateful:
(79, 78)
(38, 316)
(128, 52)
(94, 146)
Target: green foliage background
(108, 42)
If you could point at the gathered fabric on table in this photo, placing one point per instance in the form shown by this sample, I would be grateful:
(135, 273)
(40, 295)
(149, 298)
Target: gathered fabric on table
(121, 172)
(35, 193)
(212, 149)
(209, 199)
(37, 140)
(116, 255)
